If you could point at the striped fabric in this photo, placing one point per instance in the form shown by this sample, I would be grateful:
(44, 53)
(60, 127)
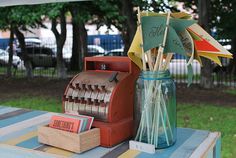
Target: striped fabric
(18, 136)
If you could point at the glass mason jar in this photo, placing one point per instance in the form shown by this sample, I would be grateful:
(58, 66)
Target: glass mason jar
(155, 109)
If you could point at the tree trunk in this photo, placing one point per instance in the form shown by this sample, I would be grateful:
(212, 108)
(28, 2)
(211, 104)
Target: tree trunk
(25, 57)
(83, 44)
(74, 64)
(232, 65)
(10, 59)
(61, 69)
(206, 70)
(79, 46)
(60, 41)
(130, 25)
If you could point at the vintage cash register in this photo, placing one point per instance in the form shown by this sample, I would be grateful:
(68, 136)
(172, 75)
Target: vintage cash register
(105, 90)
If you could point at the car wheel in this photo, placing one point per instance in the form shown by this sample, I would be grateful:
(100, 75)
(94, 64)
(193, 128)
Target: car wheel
(32, 65)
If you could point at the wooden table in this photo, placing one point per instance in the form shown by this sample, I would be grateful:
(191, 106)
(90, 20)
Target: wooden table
(18, 138)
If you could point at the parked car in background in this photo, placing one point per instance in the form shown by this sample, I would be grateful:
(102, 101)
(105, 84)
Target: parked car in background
(67, 54)
(95, 50)
(4, 57)
(40, 56)
(30, 41)
(116, 52)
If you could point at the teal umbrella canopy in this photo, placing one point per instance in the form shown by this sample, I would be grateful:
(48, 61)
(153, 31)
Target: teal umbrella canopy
(4, 3)
(153, 28)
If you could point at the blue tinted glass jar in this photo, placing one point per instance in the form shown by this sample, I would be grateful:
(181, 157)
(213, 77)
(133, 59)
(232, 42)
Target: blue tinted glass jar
(155, 109)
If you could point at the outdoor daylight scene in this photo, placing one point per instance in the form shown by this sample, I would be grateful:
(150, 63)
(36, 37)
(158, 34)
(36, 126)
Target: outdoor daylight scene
(117, 79)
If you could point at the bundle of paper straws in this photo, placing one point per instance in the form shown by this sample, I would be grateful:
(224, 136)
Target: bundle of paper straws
(154, 116)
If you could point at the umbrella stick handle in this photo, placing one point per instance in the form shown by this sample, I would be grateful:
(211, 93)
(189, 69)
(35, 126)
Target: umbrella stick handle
(148, 53)
(166, 29)
(149, 57)
(160, 51)
(159, 59)
(140, 30)
(167, 62)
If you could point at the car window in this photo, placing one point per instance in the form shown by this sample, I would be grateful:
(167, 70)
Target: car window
(30, 50)
(46, 51)
(39, 50)
(92, 50)
(2, 53)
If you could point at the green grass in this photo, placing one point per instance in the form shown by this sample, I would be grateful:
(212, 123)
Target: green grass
(37, 103)
(49, 72)
(212, 118)
(37, 72)
(231, 91)
(206, 117)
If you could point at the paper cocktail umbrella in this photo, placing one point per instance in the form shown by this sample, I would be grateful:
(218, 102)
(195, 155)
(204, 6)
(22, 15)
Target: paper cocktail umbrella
(184, 37)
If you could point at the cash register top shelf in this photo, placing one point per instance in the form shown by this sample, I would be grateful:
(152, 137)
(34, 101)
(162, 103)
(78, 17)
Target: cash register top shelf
(121, 64)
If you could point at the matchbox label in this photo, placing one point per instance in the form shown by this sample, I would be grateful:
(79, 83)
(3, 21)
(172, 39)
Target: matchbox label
(66, 124)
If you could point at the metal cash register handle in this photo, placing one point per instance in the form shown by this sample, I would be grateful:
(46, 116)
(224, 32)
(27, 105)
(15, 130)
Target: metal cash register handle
(113, 77)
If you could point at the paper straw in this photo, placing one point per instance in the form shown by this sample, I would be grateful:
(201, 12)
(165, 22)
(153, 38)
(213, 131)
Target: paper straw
(156, 114)
(139, 128)
(167, 115)
(164, 126)
(157, 126)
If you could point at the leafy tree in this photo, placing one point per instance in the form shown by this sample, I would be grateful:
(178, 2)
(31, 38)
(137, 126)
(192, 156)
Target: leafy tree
(95, 12)
(204, 18)
(5, 24)
(220, 16)
(224, 20)
(81, 13)
(10, 51)
(129, 20)
(118, 13)
(202, 8)
(123, 15)
(57, 14)
(20, 18)
(110, 12)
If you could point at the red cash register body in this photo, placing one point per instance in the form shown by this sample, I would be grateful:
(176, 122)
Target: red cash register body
(105, 90)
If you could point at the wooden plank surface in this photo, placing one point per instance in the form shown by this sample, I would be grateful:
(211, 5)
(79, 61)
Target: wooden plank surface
(206, 146)
(20, 125)
(20, 130)
(8, 151)
(13, 113)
